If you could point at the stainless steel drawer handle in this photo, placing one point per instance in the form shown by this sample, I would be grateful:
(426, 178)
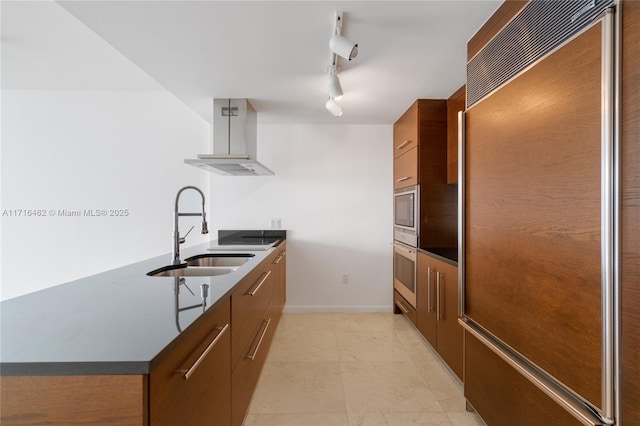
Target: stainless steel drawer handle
(402, 179)
(278, 259)
(429, 301)
(438, 295)
(403, 144)
(188, 372)
(255, 352)
(255, 290)
(401, 306)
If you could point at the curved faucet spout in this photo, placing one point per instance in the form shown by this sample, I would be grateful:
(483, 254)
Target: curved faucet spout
(177, 240)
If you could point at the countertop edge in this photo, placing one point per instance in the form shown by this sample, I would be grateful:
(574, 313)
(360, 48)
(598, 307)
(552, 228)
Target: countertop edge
(90, 368)
(439, 257)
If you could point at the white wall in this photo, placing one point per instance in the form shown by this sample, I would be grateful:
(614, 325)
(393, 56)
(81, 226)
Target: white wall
(332, 190)
(84, 128)
(91, 150)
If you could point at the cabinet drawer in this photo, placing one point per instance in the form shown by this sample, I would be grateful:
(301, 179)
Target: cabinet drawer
(404, 307)
(405, 132)
(245, 376)
(249, 302)
(405, 169)
(190, 386)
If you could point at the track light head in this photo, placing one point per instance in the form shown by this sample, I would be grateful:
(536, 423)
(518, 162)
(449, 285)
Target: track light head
(333, 107)
(343, 47)
(335, 89)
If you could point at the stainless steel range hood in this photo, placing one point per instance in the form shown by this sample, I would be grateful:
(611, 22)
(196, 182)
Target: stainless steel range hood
(234, 141)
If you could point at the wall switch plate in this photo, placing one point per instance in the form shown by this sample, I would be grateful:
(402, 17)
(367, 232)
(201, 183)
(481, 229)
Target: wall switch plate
(345, 278)
(276, 223)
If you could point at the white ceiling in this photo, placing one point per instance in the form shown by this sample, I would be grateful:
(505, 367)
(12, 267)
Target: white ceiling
(273, 52)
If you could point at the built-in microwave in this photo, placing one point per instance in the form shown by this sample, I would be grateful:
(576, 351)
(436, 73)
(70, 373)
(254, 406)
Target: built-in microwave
(406, 215)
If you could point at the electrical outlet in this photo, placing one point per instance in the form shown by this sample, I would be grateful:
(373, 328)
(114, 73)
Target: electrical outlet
(276, 223)
(345, 278)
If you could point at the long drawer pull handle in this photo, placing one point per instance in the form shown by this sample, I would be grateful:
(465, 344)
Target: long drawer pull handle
(278, 259)
(438, 294)
(255, 290)
(406, 250)
(255, 352)
(403, 144)
(401, 305)
(402, 179)
(190, 370)
(429, 301)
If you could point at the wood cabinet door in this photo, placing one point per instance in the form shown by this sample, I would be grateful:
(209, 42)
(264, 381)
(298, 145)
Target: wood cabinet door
(437, 310)
(425, 299)
(73, 400)
(191, 385)
(279, 266)
(245, 376)
(450, 334)
(405, 169)
(533, 234)
(455, 103)
(405, 131)
(249, 301)
(504, 397)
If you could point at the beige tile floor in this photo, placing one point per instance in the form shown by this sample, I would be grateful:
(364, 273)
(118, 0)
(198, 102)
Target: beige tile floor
(354, 369)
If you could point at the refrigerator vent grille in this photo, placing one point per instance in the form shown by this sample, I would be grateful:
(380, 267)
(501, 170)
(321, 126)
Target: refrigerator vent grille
(540, 26)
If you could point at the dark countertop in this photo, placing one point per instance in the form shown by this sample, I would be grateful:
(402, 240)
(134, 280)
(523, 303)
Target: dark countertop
(446, 254)
(115, 322)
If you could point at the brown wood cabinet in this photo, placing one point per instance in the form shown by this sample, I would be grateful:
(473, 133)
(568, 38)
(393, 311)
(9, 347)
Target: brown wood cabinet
(425, 164)
(257, 305)
(504, 397)
(437, 309)
(455, 104)
(280, 271)
(206, 376)
(191, 385)
(405, 132)
(79, 400)
(405, 169)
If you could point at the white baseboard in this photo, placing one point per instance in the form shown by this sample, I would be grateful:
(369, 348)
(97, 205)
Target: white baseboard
(288, 309)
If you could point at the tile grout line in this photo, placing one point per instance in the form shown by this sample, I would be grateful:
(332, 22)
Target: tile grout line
(344, 393)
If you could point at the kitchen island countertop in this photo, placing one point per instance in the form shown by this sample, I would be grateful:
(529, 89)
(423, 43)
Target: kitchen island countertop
(115, 322)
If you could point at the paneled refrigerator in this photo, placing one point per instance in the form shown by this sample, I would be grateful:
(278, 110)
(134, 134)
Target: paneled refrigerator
(538, 202)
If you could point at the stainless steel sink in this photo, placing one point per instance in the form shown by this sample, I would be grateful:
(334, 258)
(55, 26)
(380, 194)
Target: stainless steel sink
(219, 260)
(204, 265)
(190, 271)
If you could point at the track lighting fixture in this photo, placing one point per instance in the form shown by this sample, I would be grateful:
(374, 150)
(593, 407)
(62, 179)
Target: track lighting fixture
(335, 89)
(333, 107)
(341, 45)
(345, 48)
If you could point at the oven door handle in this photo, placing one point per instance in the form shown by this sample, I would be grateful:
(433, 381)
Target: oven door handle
(403, 248)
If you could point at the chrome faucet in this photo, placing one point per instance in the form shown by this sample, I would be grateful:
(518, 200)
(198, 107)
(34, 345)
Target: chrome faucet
(177, 240)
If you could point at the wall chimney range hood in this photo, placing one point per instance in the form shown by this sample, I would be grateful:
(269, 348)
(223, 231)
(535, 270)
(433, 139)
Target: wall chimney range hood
(234, 141)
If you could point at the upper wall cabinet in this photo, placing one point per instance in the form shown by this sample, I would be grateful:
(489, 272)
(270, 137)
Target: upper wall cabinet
(405, 169)
(455, 104)
(405, 132)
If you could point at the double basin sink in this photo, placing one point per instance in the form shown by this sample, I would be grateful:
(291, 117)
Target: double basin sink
(204, 265)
